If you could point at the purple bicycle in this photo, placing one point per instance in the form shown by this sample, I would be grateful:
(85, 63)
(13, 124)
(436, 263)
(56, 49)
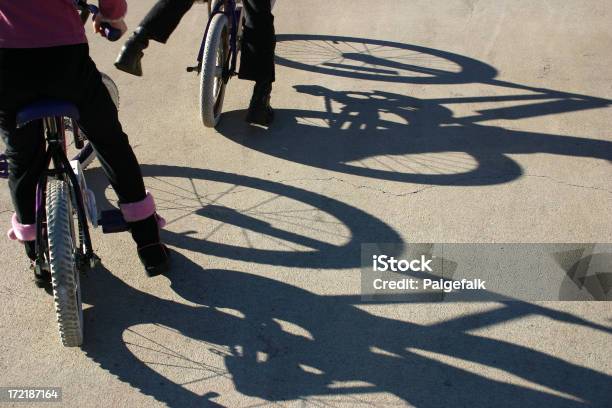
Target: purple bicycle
(218, 56)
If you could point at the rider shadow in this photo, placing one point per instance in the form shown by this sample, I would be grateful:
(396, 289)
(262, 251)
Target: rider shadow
(390, 136)
(316, 348)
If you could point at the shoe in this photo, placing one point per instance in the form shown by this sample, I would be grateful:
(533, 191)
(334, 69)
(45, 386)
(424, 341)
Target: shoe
(155, 258)
(131, 52)
(260, 112)
(144, 225)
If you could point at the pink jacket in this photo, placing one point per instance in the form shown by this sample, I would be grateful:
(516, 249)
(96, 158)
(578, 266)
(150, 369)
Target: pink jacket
(47, 23)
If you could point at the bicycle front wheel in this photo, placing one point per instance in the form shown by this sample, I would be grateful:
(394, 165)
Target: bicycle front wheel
(62, 262)
(212, 85)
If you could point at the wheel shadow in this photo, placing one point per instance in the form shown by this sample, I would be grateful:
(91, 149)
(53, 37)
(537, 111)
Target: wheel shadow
(281, 226)
(378, 60)
(318, 349)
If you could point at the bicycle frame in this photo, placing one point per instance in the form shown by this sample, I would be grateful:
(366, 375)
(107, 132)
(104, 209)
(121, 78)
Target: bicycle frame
(56, 153)
(233, 15)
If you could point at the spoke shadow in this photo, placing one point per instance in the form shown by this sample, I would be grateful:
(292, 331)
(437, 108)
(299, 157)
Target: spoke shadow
(277, 342)
(204, 209)
(395, 137)
(378, 60)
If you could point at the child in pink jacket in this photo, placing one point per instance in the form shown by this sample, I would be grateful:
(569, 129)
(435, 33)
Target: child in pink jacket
(44, 54)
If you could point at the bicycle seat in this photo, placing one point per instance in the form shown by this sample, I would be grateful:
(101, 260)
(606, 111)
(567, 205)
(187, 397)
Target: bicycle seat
(46, 108)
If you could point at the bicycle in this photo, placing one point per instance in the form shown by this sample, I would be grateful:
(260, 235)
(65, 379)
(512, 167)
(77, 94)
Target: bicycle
(64, 250)
(218, 56)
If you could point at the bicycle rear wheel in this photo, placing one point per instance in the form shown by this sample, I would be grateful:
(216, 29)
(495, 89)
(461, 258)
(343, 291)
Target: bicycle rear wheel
(215, 56)
(63, 246)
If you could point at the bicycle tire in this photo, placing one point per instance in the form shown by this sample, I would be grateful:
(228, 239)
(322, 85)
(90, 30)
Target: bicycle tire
(62, 263)
(211, 99)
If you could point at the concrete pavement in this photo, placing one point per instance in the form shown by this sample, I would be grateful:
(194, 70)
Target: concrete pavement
(421, 121)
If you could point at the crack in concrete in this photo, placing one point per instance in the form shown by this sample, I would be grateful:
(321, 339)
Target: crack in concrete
(429, 187)
(568, 184)
(358, 186)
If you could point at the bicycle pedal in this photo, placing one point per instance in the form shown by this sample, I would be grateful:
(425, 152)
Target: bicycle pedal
(39, 267)
(112, 222)
(3, 166)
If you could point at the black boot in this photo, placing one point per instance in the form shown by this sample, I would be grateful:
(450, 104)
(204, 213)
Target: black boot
(154, 255)
(260, 112)
(131, 52)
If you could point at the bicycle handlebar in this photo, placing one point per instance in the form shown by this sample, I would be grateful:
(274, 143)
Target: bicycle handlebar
(108, 31)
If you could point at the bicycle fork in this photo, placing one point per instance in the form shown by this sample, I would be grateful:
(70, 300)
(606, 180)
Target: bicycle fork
(234, 16)
(54, 132)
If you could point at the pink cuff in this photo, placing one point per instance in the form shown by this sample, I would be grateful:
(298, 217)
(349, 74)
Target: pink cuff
(21, 232)
(141, 210)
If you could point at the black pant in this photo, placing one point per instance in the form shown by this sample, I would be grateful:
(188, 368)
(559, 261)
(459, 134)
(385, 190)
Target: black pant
(258, 43)
(66, 73)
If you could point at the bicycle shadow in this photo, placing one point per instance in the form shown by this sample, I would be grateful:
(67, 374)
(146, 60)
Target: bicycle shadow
(317, 348)
(318, 251)
(390, 136)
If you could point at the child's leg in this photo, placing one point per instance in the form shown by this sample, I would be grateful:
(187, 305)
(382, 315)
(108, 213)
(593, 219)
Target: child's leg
(258, 43)
(100, 121)
(157, 25)
(257, 58)
(78, 80)
(25, 146)
(164, 17)
(101, 124)
(25, 151)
